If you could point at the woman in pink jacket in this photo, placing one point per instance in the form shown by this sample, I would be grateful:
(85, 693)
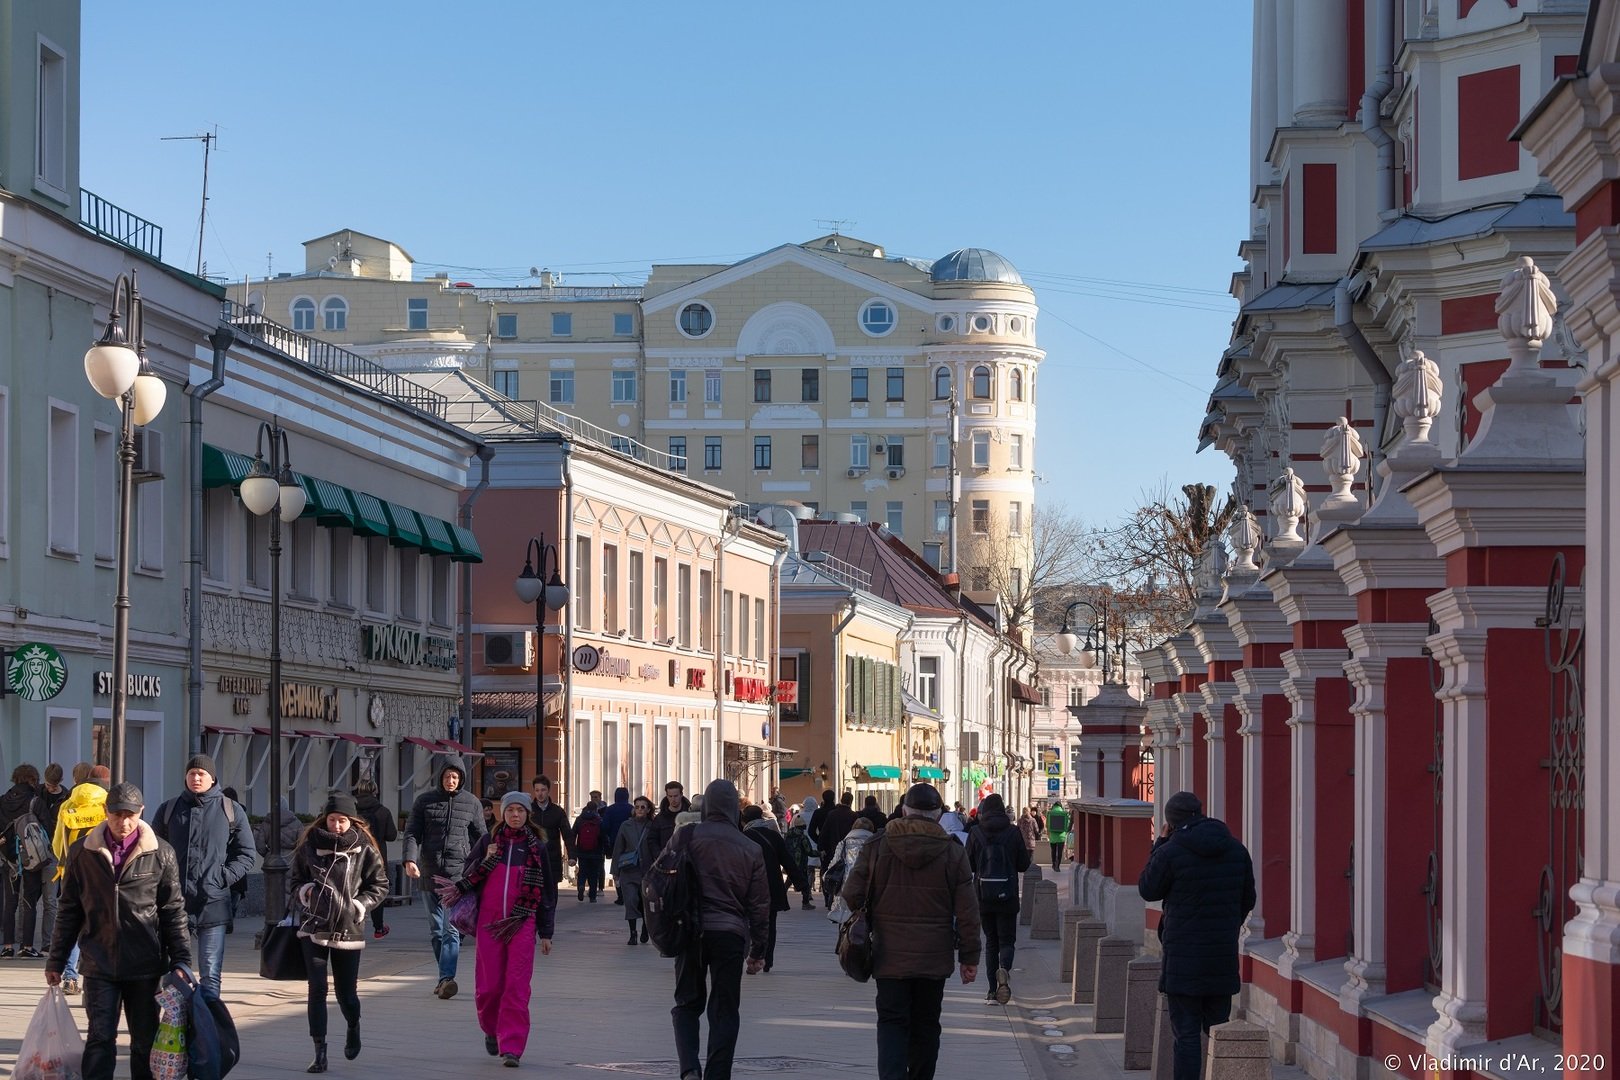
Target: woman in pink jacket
(513, 903)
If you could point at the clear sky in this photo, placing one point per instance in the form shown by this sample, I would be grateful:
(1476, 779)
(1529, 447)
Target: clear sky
(1101, 147)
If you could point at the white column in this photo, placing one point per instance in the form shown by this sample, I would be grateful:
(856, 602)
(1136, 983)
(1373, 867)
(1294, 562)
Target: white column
(1319, 61)
(1300, 940)
(1254, 684)
(1112, 786)
(1284, 61)
(1262, 91)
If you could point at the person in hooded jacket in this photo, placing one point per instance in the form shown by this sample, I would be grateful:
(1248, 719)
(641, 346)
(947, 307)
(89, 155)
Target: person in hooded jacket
(590, 848)
(802, 853)
(52, 794)
(384, 829)
(874, 813)
(996, 844)
(444, 825)
(213, 843)
(841, 862)
(337, 877)
(818, 819)
(1205, 879)
(631, 855)
(612, 817)
(13, 805)
(760, 829)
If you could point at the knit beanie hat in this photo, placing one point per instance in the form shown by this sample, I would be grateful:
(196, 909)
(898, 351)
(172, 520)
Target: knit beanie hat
(1182, 808)
(203, 762)
(341, 802)
(521, 798)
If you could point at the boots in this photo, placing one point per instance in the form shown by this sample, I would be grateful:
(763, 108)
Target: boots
(632, 940)
(351, 1045)
(319, 1064)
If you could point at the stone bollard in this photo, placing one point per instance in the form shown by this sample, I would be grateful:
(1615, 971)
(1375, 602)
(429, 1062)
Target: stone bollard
(1164, 1049)
(1141, 1010)
(1083, 980)
(1072, 917)
(1113, 956)
(1032, 878)
(1238, 1050)
(1044, 922)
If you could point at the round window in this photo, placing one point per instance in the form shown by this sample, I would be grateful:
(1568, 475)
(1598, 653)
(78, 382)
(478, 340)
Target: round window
(1015, 324)
(981, 323)
(696, 320)
(877, 317)
(946, 324)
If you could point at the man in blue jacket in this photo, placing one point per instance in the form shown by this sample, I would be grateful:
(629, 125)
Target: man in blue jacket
(213, 845)
(612, 818)
(1205, 878)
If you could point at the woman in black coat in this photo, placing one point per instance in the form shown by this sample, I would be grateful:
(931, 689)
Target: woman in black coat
(998, 855)
(777, 860)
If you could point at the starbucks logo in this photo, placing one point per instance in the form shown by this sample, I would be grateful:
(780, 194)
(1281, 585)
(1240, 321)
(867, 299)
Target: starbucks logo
(35, 672)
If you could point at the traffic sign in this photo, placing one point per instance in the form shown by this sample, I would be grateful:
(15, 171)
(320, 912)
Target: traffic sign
(1054, 769)
(1053, 785)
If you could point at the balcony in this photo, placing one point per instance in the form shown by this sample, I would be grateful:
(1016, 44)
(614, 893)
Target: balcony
(120, 226)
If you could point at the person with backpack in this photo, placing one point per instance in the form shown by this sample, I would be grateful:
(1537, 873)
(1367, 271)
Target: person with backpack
(1057, 832)
(84, 809)
(13, 896)
(444, 825)
(590, 848)
(337, 877)
(631, 855)
(213, 844)
(384, 829)
(998, 855)
(52, 794)
(803, 853)
(613, 817)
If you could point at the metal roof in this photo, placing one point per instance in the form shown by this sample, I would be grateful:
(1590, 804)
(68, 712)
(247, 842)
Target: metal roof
(1531, 212)
(974, 264)
(1293, 297)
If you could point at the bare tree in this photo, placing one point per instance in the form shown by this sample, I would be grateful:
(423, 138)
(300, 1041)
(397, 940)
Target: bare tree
(1053, 548)
(1151, 559)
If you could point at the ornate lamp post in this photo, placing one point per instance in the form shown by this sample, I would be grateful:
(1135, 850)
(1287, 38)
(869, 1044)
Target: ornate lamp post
(535, 588)
(1096, 639)
(119, 371)
(271, 487)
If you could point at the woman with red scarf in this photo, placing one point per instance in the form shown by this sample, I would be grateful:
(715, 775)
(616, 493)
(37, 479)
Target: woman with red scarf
(513, 902)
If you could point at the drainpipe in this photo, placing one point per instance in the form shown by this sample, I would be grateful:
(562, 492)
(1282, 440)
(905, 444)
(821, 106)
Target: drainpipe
(959, 647)
(485, 453)
(1372, 103)
(775, 669)
(221, 339)
(1344, 320)
(568, 628)
(848, 608)
(905, 714)
(731, 524)
(993, 724)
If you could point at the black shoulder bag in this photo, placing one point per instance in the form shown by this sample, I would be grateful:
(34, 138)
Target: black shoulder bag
(856, 945)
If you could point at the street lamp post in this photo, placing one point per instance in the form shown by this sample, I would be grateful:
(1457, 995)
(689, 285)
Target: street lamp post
(535, 588)
(271, 487)
(118, 370)
(1096, 639)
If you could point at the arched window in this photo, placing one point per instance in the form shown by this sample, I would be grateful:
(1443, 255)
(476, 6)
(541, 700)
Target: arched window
(1016, 385)
(337, 313)
(942, 383)
(303, 314)
(981, 382)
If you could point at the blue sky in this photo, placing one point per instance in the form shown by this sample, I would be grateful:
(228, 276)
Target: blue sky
(1100, 147)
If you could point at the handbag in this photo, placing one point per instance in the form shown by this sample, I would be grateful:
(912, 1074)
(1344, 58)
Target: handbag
(464, 914)
(281, 956)
(857, 946)
(627, 860)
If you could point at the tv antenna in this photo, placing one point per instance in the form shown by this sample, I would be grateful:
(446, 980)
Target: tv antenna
(208, 139)
(835, 225)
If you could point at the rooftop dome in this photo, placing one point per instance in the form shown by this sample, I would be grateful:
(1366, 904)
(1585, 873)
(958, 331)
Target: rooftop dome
(975, 264)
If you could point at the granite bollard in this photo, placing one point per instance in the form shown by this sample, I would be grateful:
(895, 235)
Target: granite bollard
(1072, 917)
(1113, 956)
(1032, 878)
(1141, 1011)
(1238, 1050)
(1044, 921)
(1083, 964)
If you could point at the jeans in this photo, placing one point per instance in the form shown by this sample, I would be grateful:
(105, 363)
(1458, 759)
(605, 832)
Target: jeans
(1057, 854)
(102, 999)
(720, 956)
(908, 1027)
(32, 886)
(10, 886)
(345, 966)
(591, 873)
(1190, 1016)
(770, 941)
(70, 970)
(52, 890)
(208, 950)
(446, 938)
(1000, 940)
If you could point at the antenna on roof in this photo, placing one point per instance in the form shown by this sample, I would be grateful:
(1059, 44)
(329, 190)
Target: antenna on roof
(208, 139)
(835, 225)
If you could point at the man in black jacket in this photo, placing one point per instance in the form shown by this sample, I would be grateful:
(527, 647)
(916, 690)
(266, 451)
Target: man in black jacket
(734, 909)
(778, 860)
(835, 826)
(384, 829)
(663, 822)
(553, 823)
(122, 904)
(444, 825)
(998, 855)
(1205, 878)
(213, 845)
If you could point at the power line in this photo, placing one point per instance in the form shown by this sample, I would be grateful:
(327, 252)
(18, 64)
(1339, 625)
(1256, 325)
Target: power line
(1202, 390)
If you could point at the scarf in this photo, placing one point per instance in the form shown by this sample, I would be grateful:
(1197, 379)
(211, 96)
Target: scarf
(531, 887)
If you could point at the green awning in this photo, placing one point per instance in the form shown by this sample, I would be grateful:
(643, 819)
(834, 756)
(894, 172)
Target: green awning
(928, 772)
(788, 774)
(883, 772)
(403, 528)
(328, 502)
(224, 467)
(370, 519)
(435, 535)
(467, 549)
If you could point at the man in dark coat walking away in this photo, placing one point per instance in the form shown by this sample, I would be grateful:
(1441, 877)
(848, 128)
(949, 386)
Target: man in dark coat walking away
(1205, 878)
(778, 860)
(734, 909)
(552, 821)
(444, 825)
(998, 855)
(384, 829)
(926, 917)
(663, 822)
(835, 826)
(874, 813)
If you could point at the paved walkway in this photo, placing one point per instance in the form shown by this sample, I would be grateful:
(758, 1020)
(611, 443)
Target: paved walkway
(601, 1008)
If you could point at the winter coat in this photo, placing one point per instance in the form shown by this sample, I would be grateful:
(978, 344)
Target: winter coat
(734, 895)
(291, 829)
(876, 816)
(777, 862)
(620, 812)
(1205, 878)
(443, 827)
(1057, 826)
(214, 851)
(633, 836)
(800, 849)
(925, 917)
(952, 823)
(128, 926)
(349, 863)
(818, 820)
(13, 805)
(553, 824)
(46, 806)
(498, 893)
(1029, 829)
(590, 813)
(380, 820)
(849, 850)
(663, 824)
(995, 827)
(839, 820)
(86, 807)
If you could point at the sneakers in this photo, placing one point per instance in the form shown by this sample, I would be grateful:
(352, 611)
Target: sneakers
(28, 952)
(446, 989)
(509, 1060)
(70, 986)
(7, 953)
(1003, 990)
(380, 933)
(492, 1046)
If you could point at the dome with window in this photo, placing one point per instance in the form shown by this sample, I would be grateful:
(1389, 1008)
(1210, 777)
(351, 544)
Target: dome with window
(974, 264)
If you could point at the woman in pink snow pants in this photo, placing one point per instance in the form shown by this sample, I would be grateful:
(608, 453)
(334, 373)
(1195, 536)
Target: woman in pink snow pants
(513, 903)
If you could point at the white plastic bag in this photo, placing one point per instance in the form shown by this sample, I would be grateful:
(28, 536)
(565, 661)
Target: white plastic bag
(51, 1048)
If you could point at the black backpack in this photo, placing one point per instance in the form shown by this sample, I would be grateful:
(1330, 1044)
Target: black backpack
(669, 897)
(997, 879)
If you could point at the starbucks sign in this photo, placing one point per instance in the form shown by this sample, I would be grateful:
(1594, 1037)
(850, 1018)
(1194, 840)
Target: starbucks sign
(35, 672)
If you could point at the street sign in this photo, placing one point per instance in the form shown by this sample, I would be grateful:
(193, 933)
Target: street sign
(1054, 769)
(1053, 785)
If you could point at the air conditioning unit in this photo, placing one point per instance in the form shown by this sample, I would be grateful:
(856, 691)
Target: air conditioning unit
(896, 473)
(510, 650)
(148, 454)
(879, 446)
(853, 473)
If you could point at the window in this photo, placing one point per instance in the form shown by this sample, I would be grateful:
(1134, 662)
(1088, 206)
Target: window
(683, 605)
(877, 318)
(256, 550)
(857, 384)
(1015, 385)
(610, 589)
(981, 449)
(711, 388)
(942, 515)
(62, 474)
(660, 600)
(810, 451)
(562, 387)
(711, 451)
(696, 320)
(635, 586)
(928, 681)
(794, 668)
(506, 382)
(409, 580)
(1015, 519)
(981, 516)
(759, 628)
(104, 460)
(897, 453)
(762, 384)
(942, 384)
(51, 121)
(376, 569)
(979, 579)
(946, 323)
(624, 324)
(677, 452)
(216, 525)
(933, 553)
(896, 518)
(762, 451)
(439, 570)
(624, 387)
(1015, 452)
(981, 382)
(562, 324)
(339, 556)
(1017, 582)
(859, 447)
(897, 384)
(677, 388)
(810, 384)
(149, 515)
(303, 314)
(705, 609)
(416, 314)
(506, 325)
(941, 445)
(728, 626)
(742, 625)
(582, 582)
(982, 323)
(1077, 697)
(337, 314)
(858, 508)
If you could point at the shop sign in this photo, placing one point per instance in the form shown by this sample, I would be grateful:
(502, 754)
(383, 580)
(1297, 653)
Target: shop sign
(137, 686)
(304, 701)
(787, 692)
(35, 672)
(243, 689)
(594, 661)
(403, 645)
(749, 689)
(694, 678)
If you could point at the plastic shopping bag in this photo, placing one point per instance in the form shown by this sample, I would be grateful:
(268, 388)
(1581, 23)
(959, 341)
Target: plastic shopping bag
(169, 1058)
(51, 1048)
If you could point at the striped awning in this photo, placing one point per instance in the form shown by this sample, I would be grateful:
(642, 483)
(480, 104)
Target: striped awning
(435, 535)
(224, 467)
(404, 530)
(467, 549)
(370, 519)
(329, 502)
